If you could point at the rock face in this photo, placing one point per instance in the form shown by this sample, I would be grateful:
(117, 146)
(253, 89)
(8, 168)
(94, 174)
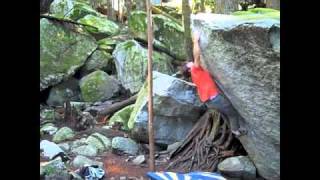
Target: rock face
(176, 109)
(244, 57)
(168, 34)
(102, 25)
(98, 86)
(67, 90)
(99, 60)
(131, 64)
(238, 167)
(62, 52)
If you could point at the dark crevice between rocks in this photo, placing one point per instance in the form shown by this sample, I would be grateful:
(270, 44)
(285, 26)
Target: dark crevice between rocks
(44, 94)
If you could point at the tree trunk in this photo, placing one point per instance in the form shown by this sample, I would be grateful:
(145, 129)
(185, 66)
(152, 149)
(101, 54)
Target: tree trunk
(128, 7)
(274, 4)
(226, 6)
(111, 14)
(186, 11)
(202, 7)
(141, 5)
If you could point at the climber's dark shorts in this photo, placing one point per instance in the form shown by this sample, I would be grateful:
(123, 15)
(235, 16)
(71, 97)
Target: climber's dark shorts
(223, 105)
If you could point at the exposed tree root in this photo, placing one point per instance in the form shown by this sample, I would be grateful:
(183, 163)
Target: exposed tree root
(207, 144)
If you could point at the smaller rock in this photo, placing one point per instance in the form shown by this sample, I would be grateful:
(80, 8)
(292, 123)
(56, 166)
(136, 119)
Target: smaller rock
(78, 143)
(67, 90)
(125, 145)
(86, 121)
(80, 161)
(50, 149)
(98, 86)
(238, 167)
(86, 150)
(63, 134)
(47, 114)
(52, 167)
(123, 178)
(49, 128)
(139, 160)
(64, 146)
(101, 142)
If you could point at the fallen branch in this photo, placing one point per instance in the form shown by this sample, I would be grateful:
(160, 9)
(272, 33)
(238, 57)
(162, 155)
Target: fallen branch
(117, 106)
(156, 10)
(65, 20)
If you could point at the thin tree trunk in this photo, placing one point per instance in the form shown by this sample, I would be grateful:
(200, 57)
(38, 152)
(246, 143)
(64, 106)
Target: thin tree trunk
(226, 6)
(186, 11)
(150, 86)
(202, 7)
(128, 6)
(141, 5)
(274, 4)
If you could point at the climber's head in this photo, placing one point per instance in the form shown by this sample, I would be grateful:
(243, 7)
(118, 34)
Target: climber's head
(186, 68)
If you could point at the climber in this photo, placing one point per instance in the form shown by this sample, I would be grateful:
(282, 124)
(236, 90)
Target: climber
(208, 91)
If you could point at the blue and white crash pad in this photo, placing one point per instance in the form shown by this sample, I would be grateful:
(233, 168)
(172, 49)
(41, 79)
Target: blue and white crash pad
(188, 176)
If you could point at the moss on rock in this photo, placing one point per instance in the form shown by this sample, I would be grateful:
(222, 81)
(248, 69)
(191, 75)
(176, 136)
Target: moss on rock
(62, 52)
(122, 116)
(102, 24)
(131, 64)
(258, 13)
(166, 31)
(98, 86)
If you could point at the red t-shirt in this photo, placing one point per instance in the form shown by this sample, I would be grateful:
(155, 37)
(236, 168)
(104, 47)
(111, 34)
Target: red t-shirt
(206, 87)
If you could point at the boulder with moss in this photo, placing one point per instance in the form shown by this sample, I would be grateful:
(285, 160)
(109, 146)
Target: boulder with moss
(62, 52)
(72, 9)
(98, 86)
(100, 25)
(169, 35)
(99, 60)
(131, 64)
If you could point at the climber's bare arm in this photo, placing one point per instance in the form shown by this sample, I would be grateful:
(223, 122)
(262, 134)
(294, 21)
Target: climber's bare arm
(196, 49)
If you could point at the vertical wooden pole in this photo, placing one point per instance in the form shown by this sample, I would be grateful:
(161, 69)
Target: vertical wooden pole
(150, 98)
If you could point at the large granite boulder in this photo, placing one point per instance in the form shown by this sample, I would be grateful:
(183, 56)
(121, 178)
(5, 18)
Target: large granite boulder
(243, 54)
(73, 9)
(62, 52)
(168, 34)
(131, 64)
(176, 109)
(99, 25)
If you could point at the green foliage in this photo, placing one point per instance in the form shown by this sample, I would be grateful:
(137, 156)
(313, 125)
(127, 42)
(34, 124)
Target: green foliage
(258, 13)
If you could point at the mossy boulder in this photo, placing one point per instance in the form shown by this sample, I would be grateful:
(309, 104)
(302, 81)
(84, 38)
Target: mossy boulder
(67, 90)
(98, 86)
(102, 25)
(131, 64)
(107, 44)
(72, 9)
(168, 34)
(122, 116)
(258, 13)
(62, 52)
(63, 134)
(101, 142)
(99, 60)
